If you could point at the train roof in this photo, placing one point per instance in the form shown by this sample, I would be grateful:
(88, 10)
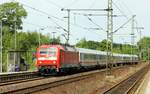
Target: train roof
(62, 47)
(124, 55)
(84, 50)
(90, 51)
(46, 46)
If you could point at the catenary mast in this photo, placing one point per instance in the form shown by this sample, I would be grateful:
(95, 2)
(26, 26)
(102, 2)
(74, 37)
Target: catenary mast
(109, 36)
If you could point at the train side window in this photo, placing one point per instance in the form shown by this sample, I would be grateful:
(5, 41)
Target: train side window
(81, 56)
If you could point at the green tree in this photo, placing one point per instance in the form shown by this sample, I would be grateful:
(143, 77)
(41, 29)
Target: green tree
(26, 41)
(144, 47)
(103, 45)
(81, 43)
(53, 41)
(144, 42)
(14, 12)
(11, 11)
(117, 48)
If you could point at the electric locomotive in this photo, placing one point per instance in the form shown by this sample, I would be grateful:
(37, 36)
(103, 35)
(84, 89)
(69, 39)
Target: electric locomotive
(56, 58)
(52, 59)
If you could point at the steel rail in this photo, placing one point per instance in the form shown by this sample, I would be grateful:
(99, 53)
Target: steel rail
(58, 82)
(20, 81)
(130, 84)
(10, 77)
(52, 84)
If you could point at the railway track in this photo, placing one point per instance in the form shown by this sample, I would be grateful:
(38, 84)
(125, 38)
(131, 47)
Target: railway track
(20, 81)
(6, 78)
(129, 85)
(35, 85)
(50, 83)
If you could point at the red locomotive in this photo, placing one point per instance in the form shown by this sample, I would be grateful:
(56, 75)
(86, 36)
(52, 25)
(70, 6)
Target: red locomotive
(61, 58)
(56, 58)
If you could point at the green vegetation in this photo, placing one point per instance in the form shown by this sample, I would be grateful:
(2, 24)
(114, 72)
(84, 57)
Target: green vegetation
(117, 48)
(144, 48)
(14, 12)
(27, 42)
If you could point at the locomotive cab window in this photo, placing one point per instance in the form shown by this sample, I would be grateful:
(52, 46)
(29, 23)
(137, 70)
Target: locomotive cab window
(48, 51)
(52, 51)
(42, 51)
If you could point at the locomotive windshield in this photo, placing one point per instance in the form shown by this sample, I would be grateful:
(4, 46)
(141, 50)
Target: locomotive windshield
(48, 51)
(43, 51)
(52, 51)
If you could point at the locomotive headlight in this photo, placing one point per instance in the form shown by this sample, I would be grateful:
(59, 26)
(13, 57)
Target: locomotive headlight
(54, 62)
(40, 62)
(46, 55)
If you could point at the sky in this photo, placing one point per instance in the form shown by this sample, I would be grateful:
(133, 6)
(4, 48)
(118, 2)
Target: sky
(51, 18)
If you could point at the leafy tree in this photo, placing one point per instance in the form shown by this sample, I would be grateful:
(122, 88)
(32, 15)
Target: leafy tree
(117, 48)
(14, 12)
(54, 41)
(144, 47)
(7, 39)
(26, 41)
(103, 45)
(81, 43)
(144, 42)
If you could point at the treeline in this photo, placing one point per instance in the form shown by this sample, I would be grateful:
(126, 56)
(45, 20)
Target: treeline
(117, 48)
(29, 41)
(11, 20)
(26, 43)
(142, 48)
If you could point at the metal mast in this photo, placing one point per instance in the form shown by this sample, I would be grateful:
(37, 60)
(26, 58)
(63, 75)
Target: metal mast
(68, 31)
(1, 56)
(140, 36)
(109, 36)
(69, 18)
(132, 36)
(68, 35)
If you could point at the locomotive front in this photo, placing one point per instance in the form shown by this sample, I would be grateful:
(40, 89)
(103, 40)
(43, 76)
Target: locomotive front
(47, 59)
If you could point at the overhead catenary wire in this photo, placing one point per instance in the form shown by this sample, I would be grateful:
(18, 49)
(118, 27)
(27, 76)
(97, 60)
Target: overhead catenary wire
(89, 29)
(120, 10)
(87, 15)
(75, 1)
(124, 13)
(35, 9)
(95, 23)
(127, 8)
(38, 10)
(36, 25)
(42, 27)
(85, 28)
(51, 16)
(123, 24)
(56, 22)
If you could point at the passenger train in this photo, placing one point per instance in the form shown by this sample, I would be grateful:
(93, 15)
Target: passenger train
(61, 58)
